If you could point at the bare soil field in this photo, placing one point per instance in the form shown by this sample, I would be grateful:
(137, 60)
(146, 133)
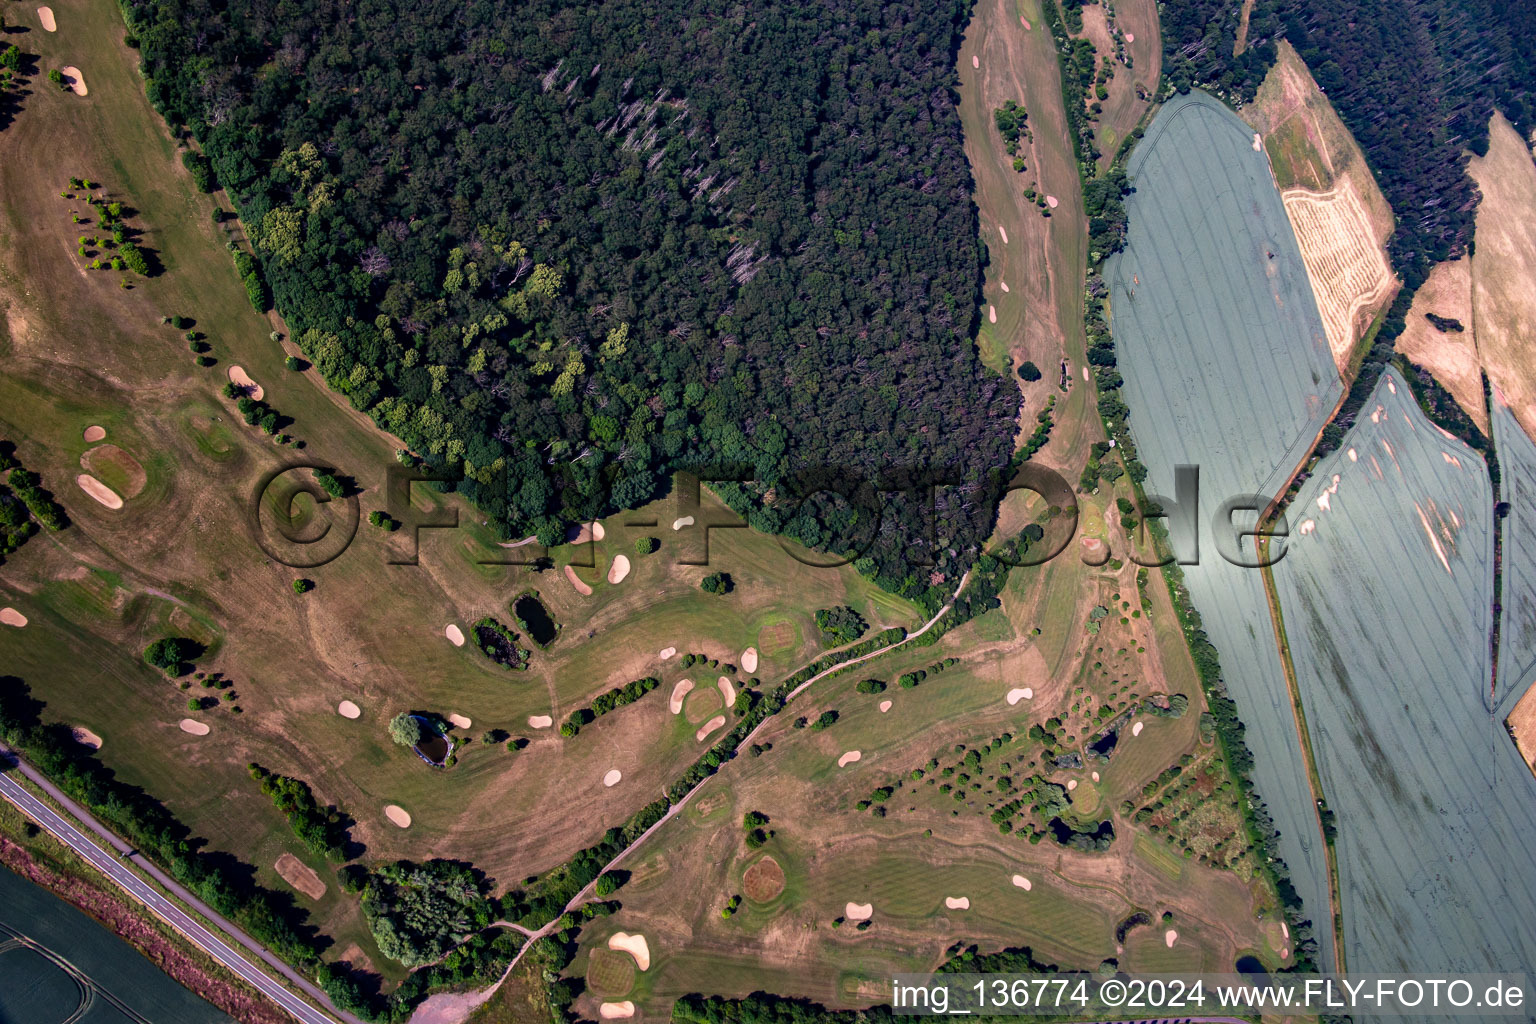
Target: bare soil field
(300, 875)
(1451, 355)
(1504, 268)
(1522, 726)
(1346, 266)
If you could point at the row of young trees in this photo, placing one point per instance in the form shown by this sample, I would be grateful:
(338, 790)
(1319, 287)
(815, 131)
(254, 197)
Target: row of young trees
(563, 263)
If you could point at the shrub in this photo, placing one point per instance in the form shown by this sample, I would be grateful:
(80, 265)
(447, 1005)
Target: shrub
(406, 729)
(646, 545)
(303, 586)
(168, 654)
(718, 583)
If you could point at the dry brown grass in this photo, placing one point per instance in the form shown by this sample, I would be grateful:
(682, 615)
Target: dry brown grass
(1522, 726)
(300, 875)
(763, 881)
(1451, 356)
(1504, 269)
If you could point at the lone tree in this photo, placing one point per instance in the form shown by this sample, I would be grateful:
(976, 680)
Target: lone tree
(1029, 371)
(718, 583)
(303, 586)
(407, 730)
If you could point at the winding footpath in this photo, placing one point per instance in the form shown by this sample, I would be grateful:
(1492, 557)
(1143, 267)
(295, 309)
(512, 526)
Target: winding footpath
(114, 865)
(435, 1009)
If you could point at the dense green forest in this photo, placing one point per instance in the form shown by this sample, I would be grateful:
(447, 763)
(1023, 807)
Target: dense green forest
(565, 250)
(1199, 37)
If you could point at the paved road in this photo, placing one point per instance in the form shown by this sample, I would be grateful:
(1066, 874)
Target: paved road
(114, 868)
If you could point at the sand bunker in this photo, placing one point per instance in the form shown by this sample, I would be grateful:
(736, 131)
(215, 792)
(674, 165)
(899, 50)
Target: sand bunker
(347, 709)
(991, 314)
(612, 777)
(1258, 143)
(1024, 22)
(581, 588)
(98, 490)
(540, 721)
(75, 79)
(975, 61)
(859, 911)
(634, 945)
(584, 533)
(678, 693)
(848, 758)
(678, 524)
(12, 617)
(459, 721)
(1052, 202)
(300, 875)
(1170, 937)
(196, 728)
(86, 738)
(1004, 232)
(398, 815)
(957, 902)
(709, 727)
(240, 379)
(1005, 286)
(1095, 776)
(454, 634)
(749, 660)
(616, 1011)
(1130, 37)
(666, 652)
(45, 15)
(885, 706)
(1019, 693)
(1136, 729)
(1023, 883)
(619, 569)
(93, 433)
(727, 690)
(110, 461)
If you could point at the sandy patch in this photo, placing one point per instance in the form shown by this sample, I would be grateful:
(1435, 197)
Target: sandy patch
(619, 569)
(727, 690)
(540, 721)
(454, 634)
(1170, 937)
(678, 524)
(634, 945)
(666, 652)
(241, 379)
(1025, 22)
(709, 727)
(848, 758)
(859, 911)
(1136, 729)
(12, 617)
(398, 815)
(45, 15)
(679, 691)
(1095, 776)
(460, 721)
(98, 490)
(1258, 143)
(991, 314)
(975, 61)
(957, 902)
(616, 1011)
(347, 709)
(87, 738)
(1052, 202)
(612, 777)
(196, 728)
(581, 588)
(1004, 232)
(1019, 693)
(1005, 286)
(585, 533)
(1130, 37)
(1023, 883)
(300, 875)
(749, 660)
(1071, 785)
(94, 433)
(885, 706)
(75, 79)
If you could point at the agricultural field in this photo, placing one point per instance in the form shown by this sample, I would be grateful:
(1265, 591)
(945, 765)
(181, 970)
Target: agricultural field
(1504, 268)
(58, 964)
(1341, 219)
(1512, 699)
(1447, 346)
(1434, 807)
(1228, 368)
